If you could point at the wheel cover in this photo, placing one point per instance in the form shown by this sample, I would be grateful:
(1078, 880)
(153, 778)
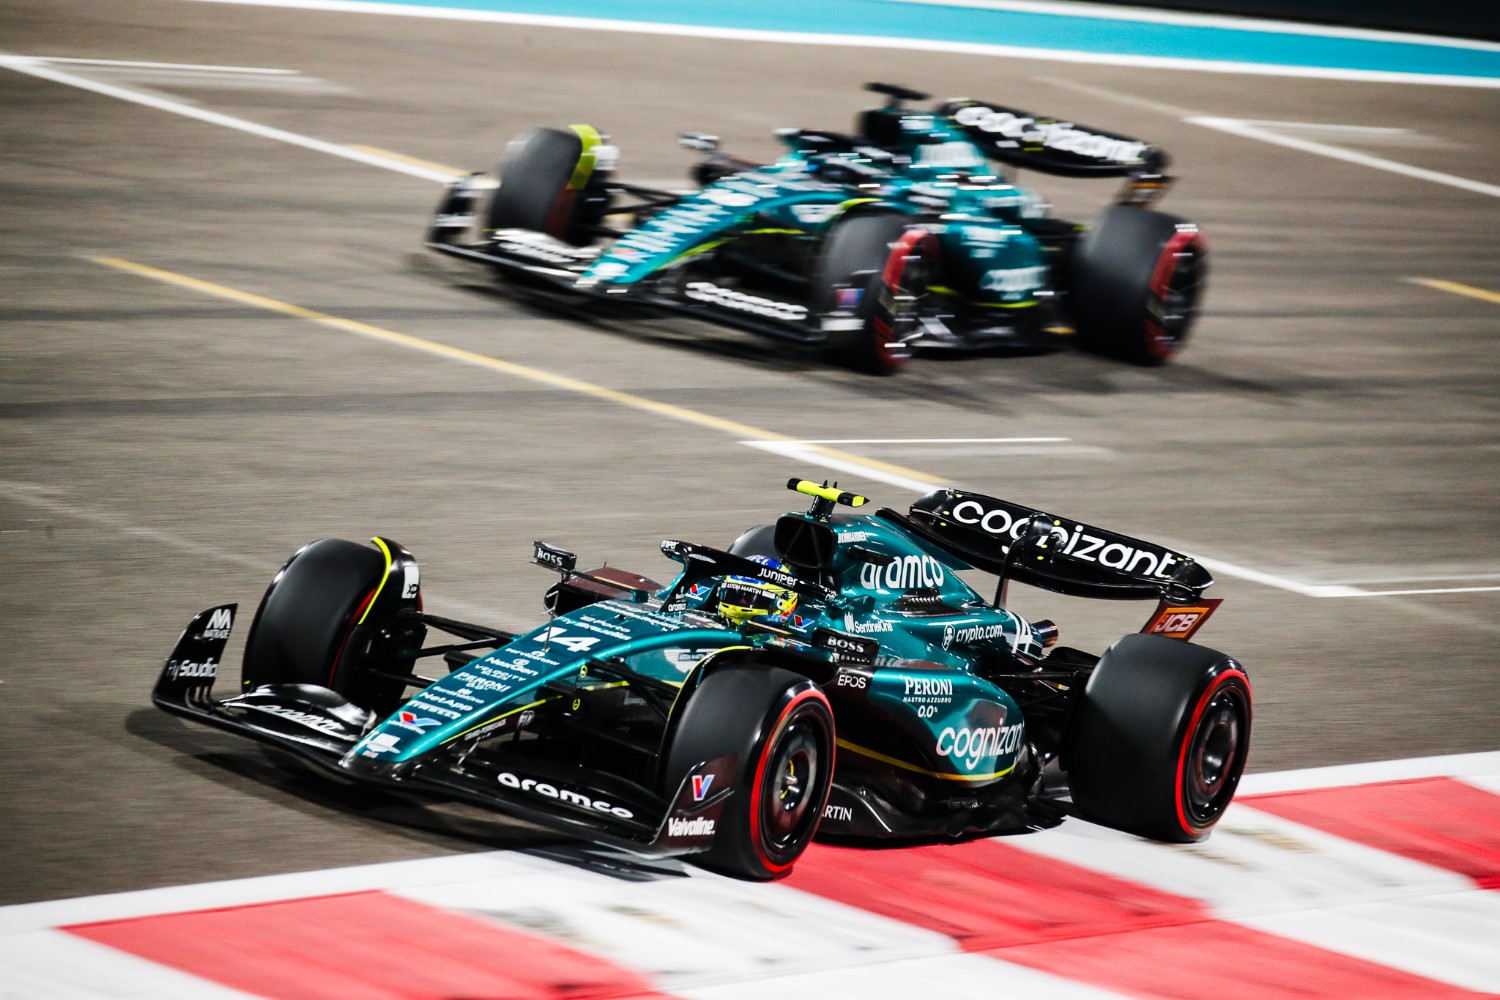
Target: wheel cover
(793, 785)
(903, 287)
(1214, 756)
(1176, 288)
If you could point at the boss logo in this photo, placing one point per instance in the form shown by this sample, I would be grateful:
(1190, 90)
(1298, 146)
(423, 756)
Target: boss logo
(846, 648)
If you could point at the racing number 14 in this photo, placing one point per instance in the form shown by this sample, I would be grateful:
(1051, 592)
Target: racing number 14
(572, 643)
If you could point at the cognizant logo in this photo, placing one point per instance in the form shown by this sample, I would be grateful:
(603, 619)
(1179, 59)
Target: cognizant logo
(970, 746)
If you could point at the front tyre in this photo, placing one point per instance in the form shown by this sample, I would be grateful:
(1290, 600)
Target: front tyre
(781, 726)
(872, 275)
(1160, 738)
(545, 184)
(310, 627)
(1137, 281)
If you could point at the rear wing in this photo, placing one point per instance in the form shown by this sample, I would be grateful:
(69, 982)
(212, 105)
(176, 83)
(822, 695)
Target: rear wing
(1051, 552)
(1049, 145)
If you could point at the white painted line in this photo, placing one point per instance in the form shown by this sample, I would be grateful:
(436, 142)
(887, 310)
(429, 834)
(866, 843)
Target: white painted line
(1030, 440)
(1280, 582)
(40, 69)
(44, 498)
(1430, 590)
(133, 64)
(801, 451)
(1254, 130)
(876, 42)
(250, 891)
(956, 976)
(1462, 765)
(1425, 578)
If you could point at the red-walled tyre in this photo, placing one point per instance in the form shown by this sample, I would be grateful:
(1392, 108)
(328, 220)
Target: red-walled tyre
(874, 267)
(1137, 280)
(781, 726)
(1160, 738)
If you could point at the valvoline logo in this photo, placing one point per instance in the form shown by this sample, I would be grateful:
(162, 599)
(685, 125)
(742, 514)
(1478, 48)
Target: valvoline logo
(415, 721)
(700, 786)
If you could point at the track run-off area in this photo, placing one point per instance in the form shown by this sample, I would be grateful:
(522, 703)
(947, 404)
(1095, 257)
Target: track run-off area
(220, 338)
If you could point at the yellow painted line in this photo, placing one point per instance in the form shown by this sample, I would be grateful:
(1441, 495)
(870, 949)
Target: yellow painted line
(1457, 289)
(412, 160)
(673, 412)
(904, 765)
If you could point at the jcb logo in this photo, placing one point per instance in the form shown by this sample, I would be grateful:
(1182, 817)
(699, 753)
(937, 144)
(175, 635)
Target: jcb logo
(1181, 621)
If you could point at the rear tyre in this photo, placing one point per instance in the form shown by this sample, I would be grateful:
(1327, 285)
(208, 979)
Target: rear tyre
(1138, 277)
(307, 628)
(1160, 738)
(878, 267)
(543, 175)
(781, 726)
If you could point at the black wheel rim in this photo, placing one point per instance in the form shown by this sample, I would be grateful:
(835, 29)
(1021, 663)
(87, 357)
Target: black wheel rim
(793, 787)
(1215, 758)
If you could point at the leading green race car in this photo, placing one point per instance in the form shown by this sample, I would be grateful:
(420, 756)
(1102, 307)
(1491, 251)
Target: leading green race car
(905, 234)
(829, 674)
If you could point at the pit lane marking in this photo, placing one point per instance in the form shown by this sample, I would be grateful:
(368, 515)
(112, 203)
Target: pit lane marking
(920, 482)
(1263, 131)
(46, 498)
(1458, 289)
(41, 68)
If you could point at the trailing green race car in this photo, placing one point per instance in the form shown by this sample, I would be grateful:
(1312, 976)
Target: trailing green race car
(903, 235)
(828, 674)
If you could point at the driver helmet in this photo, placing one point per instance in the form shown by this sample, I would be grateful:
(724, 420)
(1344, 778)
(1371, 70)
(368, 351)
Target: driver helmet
(742, 598)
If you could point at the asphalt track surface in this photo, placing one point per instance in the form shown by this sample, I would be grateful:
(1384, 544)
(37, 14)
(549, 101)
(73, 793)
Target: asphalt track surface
(1328, 437)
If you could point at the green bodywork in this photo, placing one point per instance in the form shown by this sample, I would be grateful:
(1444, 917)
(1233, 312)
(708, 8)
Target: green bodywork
(990, 258)
(921, 706)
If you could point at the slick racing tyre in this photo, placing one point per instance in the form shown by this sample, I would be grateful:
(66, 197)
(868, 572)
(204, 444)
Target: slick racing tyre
(1160, 738)
(307, 629)
(1138, 277)
(548, 184)
(781, 726)
(873, 272)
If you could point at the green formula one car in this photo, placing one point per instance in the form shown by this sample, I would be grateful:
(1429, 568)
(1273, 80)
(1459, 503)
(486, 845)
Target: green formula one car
(905, 234)
(829, 674)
